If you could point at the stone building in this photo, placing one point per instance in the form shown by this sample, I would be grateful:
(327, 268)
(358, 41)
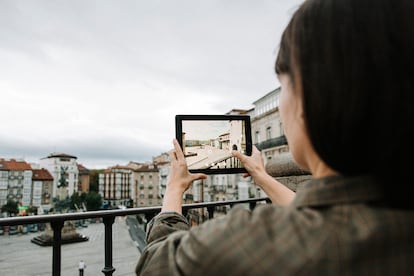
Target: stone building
(146, 185)
(64, 170)
(267, 128)
(162, 162)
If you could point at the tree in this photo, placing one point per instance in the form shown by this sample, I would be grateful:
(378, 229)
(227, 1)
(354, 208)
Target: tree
(11, 207)
(94, 180)
(61, 206)
(32, 210)
(77, 200)
(93, 201)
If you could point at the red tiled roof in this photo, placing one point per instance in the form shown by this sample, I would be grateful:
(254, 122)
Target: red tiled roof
(14, 165)
(82, 168)
(147, 168)
(41, 174)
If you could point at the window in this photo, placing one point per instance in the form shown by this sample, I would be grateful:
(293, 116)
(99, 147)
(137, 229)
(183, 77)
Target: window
(257, 137)
(268, 132)
(281, 129)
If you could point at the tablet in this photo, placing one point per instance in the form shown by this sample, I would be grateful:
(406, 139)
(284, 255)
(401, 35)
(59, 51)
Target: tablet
(208, 140)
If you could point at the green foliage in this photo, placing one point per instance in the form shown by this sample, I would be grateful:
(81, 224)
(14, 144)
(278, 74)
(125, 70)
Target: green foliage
(10, 207)
(32, 210)
(77, 200)
(93, 201)
(61, 206)
(94, 180)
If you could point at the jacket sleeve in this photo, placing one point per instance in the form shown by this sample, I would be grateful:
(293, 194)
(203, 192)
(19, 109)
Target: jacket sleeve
(164, 224)
(175, 249)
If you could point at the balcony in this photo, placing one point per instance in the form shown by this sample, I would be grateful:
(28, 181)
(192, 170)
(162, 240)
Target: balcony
(57, 222)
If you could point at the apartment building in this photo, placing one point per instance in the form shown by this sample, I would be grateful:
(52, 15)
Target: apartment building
(115, 186)
(146, 185)
(42, 189)
(162, 162)
(267, 128)
(15, 182)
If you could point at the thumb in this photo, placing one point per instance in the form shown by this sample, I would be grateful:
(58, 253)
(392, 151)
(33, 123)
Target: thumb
(198, 176)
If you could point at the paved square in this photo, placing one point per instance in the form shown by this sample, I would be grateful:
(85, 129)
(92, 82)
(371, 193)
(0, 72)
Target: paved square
(20, 257)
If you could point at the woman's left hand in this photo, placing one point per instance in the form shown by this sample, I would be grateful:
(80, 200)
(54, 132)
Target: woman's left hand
(180, 178)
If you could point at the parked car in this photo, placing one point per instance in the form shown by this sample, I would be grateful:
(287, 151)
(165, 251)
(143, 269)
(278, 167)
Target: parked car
(41, 226)
(1, 230)
(13, 230)
(24, 229)
(33, 228)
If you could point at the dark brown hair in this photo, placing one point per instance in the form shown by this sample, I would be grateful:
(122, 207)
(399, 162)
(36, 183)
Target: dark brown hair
(354, 60)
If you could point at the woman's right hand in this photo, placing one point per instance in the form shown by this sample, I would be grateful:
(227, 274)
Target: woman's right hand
(277, 192)
(253, 164)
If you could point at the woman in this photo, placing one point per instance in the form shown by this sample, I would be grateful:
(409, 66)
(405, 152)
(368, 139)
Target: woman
(346, 70)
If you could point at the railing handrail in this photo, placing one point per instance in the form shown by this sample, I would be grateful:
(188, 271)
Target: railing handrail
(21, 220)
(57, 222)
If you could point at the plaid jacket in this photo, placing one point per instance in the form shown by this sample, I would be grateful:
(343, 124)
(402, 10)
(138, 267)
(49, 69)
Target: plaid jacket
(335, 226)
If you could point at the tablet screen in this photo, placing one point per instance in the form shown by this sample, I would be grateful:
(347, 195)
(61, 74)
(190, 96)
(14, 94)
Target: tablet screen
(208, 140)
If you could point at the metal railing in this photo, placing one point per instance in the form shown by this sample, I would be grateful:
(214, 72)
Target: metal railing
(108, 216)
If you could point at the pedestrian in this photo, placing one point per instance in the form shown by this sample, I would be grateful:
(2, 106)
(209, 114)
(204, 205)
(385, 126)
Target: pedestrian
(346, 71)
(82, 267)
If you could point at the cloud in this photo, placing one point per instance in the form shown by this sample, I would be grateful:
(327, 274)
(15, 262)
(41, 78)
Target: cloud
(103, 79)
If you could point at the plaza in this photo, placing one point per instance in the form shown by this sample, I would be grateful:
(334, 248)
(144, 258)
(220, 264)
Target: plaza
(20, 257)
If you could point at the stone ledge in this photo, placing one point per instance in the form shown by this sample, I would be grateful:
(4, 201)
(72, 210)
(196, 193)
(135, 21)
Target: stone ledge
(285, 170)
(283, 165)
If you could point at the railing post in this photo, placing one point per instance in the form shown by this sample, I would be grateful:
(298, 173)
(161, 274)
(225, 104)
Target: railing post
(185, 212)
(148, 217)
(210, 210)
(252, 205)
(108, 269)
(57, 242)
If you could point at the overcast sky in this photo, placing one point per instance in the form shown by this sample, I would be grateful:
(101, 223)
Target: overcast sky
(102, 80)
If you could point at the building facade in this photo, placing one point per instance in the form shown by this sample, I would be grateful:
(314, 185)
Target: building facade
(115, 186)
(15, 182)
(163, 164)
(42, 189)
(64, 170)
(84, 179)
(267, 128)
(146, 186)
